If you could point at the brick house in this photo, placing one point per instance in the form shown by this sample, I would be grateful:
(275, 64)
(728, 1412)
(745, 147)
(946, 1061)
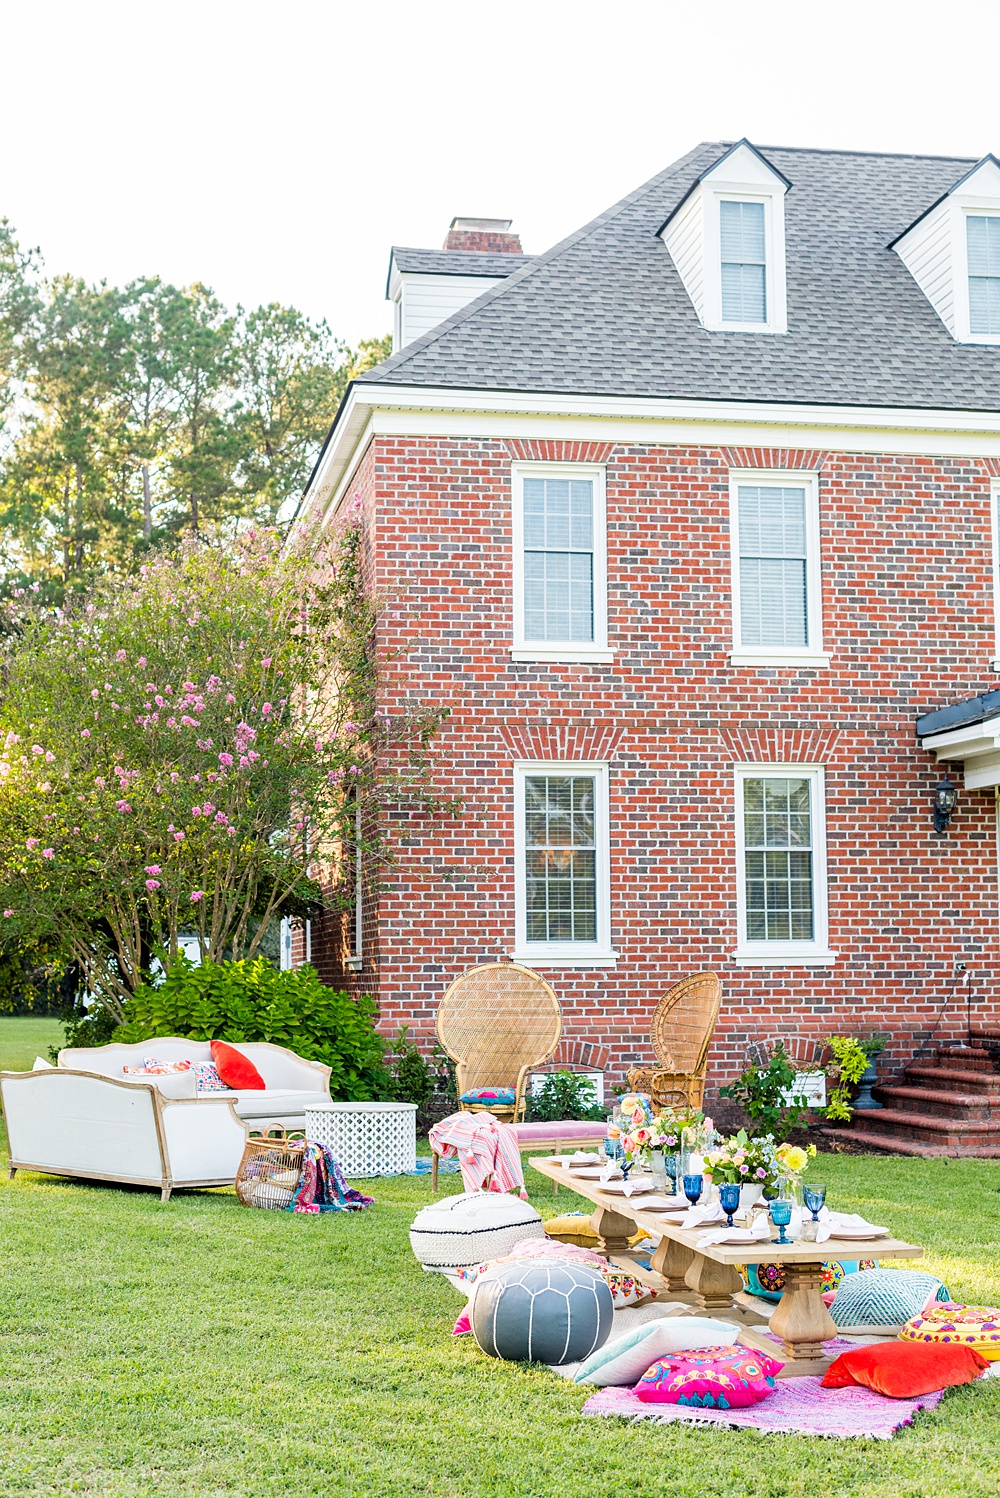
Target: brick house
(692, 521)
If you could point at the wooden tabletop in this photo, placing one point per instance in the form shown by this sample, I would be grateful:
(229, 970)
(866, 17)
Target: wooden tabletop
(764, 1252)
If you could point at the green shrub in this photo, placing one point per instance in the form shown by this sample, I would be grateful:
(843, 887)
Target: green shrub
(250, 1000)
(763, 1092)
(564, 1094)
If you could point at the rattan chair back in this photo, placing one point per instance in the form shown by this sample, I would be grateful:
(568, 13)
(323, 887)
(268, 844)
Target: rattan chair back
(684, 1021)
(496, 1022)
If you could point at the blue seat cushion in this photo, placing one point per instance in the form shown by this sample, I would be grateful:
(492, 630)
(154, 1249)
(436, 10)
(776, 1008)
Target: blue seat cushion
(502, 1096)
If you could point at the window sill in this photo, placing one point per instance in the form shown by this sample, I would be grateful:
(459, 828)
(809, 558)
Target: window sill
(582, 655)
(995, 665)
(784, 959)
(782, 661)
(354, 964)
(553, 959)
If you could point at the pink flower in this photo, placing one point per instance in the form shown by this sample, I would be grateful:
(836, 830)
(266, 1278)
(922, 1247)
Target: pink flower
(226, 759)
(230, 698)
(121, 656)
(95, 693)
(760, 1173)
(153, 868)
(189, 722)
(175, 775)
(230, 831)
(49, 756)
(100, 780)
(266, 709)
(189, 686)
(48, 853)
(152, 883)
(123, 806)
(196, 895)
(220, 816)
(208, 808)
(266, 662)
(744, 1170)
(178, 837)
(31, 843)
(85, 733)
(8, 913)
(353, 770)
(141, 661)
(37, 749)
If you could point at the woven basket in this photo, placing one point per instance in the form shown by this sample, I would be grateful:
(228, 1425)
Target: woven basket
(270, 1169)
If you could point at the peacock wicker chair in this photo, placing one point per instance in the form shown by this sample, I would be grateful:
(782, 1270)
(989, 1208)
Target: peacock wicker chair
(496, 1022)
(682, 1032)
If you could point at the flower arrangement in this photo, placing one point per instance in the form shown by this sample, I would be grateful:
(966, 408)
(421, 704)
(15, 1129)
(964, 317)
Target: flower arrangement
(742, 1161)
(793, 1161)
(642, 1131)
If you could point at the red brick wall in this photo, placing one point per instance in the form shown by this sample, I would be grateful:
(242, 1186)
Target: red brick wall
(908, 619)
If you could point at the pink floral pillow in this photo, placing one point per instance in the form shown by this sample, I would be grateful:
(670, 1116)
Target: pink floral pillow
(717, 1378)
(154, 1066)
(208, 1077)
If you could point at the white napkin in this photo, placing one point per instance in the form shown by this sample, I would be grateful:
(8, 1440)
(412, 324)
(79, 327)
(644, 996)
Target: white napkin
(610, 1172)
(704, 1212)
(759, 1233)
(831, 1222)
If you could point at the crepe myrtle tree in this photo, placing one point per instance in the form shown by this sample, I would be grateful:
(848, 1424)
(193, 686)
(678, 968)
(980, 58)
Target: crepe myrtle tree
(185, 751)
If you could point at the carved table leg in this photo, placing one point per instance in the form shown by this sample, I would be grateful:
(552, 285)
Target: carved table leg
(714, 1285)
(673, 1260)
(802, 1320)
(612, 1229)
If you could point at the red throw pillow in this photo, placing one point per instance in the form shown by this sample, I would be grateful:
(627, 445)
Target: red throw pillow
(235, 1069)
(903, 1370)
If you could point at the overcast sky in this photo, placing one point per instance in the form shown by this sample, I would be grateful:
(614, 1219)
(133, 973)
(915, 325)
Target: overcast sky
(275, 151)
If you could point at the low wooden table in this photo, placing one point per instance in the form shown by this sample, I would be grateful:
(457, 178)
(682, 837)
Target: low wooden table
(708, 1277)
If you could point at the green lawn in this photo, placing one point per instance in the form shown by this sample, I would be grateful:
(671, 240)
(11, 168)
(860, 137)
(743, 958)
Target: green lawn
(199, 1348)
(22, 1039)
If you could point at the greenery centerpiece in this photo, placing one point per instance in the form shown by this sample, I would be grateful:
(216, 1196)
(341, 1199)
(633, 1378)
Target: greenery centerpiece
(743, 1160)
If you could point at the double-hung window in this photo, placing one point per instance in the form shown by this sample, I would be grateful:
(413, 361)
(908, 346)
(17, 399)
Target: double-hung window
(983, 245)
(562, 893)
(742, 241)
(560, 590)
(774, 528)
(781, 865)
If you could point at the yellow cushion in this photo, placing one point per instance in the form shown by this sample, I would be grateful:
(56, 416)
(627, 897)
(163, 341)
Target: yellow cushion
(977, 1327)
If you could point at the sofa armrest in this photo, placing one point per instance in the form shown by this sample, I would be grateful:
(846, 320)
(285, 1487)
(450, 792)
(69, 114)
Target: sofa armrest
(204, 1139)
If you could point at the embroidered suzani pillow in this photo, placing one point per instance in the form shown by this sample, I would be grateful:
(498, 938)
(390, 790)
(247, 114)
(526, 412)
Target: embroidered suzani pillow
(717, 1378)
(208, 1077)
(161, 1068)
(503, 1096)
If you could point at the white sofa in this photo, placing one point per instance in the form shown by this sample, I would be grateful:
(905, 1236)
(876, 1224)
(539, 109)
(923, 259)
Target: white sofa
(84, 1118)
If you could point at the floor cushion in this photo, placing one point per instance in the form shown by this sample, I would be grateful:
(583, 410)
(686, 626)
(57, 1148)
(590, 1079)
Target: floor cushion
(625, 1289)
(472, 1228)
(235, 1069)
(504, 1097)
(720, 1378)
(902, 1370)
(546, 1311)
(884, 1298)
(967, 1326)
(624, 1359)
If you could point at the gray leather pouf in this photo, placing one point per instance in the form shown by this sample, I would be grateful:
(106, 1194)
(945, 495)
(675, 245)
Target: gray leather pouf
(542, 1311)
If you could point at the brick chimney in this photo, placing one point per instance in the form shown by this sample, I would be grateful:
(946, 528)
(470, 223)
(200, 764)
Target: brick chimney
(490, 234)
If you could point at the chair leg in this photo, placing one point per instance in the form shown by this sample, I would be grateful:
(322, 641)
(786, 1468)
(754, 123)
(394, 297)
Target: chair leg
(11, 1172)
(434, 1174)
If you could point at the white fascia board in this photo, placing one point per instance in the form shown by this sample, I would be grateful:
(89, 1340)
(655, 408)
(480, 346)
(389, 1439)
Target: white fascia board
(964, 743)
(414, 410)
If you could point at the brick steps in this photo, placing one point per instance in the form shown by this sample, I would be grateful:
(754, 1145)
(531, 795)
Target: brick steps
(946, 1106)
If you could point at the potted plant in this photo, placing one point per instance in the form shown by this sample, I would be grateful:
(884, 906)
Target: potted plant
(850, 1062)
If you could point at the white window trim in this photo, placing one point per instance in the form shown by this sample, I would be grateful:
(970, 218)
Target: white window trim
(355, 958)
(788, 655)
(963, 210)
(815, 953)
(585, 652)
(775, 289)
(995, 547)
(565, 954)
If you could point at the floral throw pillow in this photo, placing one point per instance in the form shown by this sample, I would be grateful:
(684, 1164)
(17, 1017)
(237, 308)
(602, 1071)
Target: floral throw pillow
(718, 1378)
(208, 1077)
(152, 1066)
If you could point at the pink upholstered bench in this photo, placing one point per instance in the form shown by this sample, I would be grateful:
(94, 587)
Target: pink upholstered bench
(564, 1134)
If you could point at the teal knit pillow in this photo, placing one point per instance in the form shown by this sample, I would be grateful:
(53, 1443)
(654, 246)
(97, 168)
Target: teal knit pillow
(884, 1298)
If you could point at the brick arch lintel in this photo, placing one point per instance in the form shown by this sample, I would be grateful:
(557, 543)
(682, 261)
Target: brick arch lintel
(529, 450)
(573, 739)
(779, 746)
(789, 459)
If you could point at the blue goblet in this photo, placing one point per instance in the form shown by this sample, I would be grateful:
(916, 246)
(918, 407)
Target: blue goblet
(693, 1188)
(670, 1170)
(781, 1216)
(814, 1197)
(729, 1200)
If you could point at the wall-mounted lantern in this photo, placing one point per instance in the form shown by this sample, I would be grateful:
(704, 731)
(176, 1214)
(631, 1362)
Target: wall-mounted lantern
(945, 799)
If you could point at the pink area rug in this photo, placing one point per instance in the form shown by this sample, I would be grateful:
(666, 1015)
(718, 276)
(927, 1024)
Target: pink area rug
(798, 1406)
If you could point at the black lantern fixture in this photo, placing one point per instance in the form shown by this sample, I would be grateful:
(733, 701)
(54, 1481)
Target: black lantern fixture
(945, 797)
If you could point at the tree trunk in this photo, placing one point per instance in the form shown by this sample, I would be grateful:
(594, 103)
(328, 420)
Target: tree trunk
(194, 514)
(78, 549)
(147, 504)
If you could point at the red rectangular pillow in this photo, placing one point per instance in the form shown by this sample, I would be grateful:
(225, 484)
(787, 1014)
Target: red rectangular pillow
(235, 1069)
(902, 1370)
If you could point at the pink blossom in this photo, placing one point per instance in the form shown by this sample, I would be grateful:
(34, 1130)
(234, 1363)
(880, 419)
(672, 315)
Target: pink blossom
(196, 811)
(121, 656)
(220, 816)
(230, 698)
(8, 913)
(178, 837)
(208, 808)
(37, 749)
(153, 868)
(744, 1170)
(152, 883)
(100, 780)
(49, 756)
(141, 661)
(85, 733)
(350, 727)
(189, 686)
(95, 693)
(31, 843)
(48, 853)
(266, 709)
(266, 662)
(123, 806)
(175, 775)
(230, 831)
(196, 895)
(225, 759)
(353, 770)
(244, 760)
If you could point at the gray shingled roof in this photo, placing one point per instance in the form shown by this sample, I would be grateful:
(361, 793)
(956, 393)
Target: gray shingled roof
(605, 313)
(456, 262)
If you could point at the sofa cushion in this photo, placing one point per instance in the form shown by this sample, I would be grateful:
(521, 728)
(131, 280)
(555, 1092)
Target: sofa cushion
(175, 1084)
(235, 1069)
(276, 1102)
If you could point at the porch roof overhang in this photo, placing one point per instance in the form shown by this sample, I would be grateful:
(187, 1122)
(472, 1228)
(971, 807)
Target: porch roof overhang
(967, 732)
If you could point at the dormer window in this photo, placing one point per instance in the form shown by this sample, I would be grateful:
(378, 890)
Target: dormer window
(952, 251)
(983, 242)
(744, 261)
(727, 240)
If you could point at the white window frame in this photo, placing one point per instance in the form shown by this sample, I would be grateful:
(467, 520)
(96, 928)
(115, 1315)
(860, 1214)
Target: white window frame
(814, 653)
(598, 953)
(815, 953)
(596, 650)
(964, 210)
(355, 957)
(995, 549)
(775, 290)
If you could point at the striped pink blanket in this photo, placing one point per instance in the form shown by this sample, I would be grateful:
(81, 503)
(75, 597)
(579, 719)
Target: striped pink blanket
(486, 1149)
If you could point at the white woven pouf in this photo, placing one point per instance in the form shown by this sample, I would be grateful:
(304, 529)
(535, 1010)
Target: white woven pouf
(368, 1139)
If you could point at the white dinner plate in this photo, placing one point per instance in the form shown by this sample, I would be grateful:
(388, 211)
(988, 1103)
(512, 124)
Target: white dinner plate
(618, 1187)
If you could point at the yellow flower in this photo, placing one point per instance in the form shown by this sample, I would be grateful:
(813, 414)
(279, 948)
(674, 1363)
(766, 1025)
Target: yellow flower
(795, 1158)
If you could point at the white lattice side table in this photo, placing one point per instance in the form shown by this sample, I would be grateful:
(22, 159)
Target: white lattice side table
(368, 1139)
